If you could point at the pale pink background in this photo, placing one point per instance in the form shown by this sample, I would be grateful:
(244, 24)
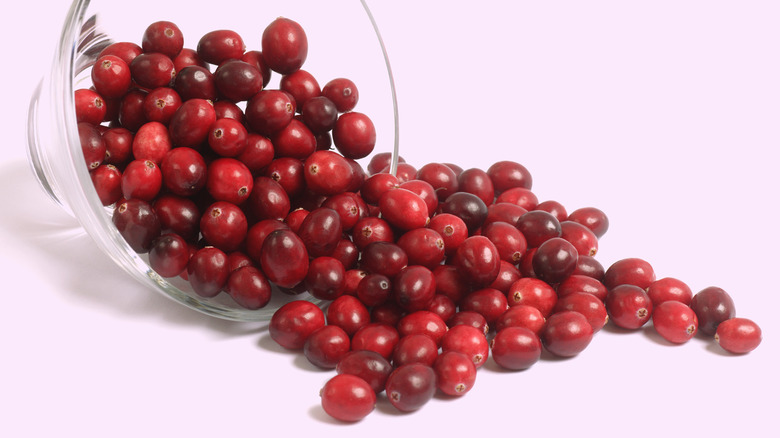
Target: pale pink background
(664, 114)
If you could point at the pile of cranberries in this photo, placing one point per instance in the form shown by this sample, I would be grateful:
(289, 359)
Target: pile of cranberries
(424, 273)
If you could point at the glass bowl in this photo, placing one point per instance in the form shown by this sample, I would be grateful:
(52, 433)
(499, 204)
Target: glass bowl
(343, 42)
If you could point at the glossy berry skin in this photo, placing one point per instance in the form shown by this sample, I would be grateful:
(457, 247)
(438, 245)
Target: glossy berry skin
(141, 179)
(738, 335)
(161, 104)
(455, 373)
(423, 322)
(354, 135)
(423, 246)
(533, 292)
(588, 305)
(566, 333)
(249, 287)
(151, 142)
(349, 313)
(669, 289)
(415, 348)
(237, 80)
(327, 173)
(368, 365)
(468, 207)
(267, 200)
(92, 145)
(208, 271)
(509, 241)
(190, 124)
(593, 218)
(414, 287)
(284, 46)
(320, 231)
(268, 111)
(509, 174)
(164, 37)
(303, 86)
(224, 226)
(152, 70)
(326, 346)
(516, 348)
(522, 197)
(490, 303)
(452, 229)
(712, 305)
(293, 322)
(628, 306)
(90, 106)
(319, 114)
(283, 258)
(107, 180)
(468, 340)
(195, 82)
(675, 321)
(347, 398)
(227, 137)
(403, 209)
(538, 226)
(184, 171)
(577, 283)
(111, 77)
(169, 255)
(343, 93)
(478, 260)
(583, 239)
(521, 316)
(469, 318)
(325, 278)
(228, 179)
(409, 387)
(379, 337)
(137, 223)
(384, 258)
(634, 271)
(218, 46)
(554, 260)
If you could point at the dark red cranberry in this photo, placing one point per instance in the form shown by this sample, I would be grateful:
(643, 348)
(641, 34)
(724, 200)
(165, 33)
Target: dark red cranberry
(415, 348)
(227, 137)
(347, 398)
(587, 304)
(403, 209)
(107, 180)
(349, 313)
(248, 287)
(267, 200)
(160, 104)
(468, 207)
(164, 37)
(374, 289)
(195, 82)
(226, 109)
(443, 306)
(455, 373)
(141, 179)
(294, 140)
(152, 70)
(583, 239)
(137, 222)
(368, 365)
(675, 321)
(92, 145)
(516, 348)
(239, 259)
(125, 50)
(268, 111)
(385, 258)
(471, 319)
(526, 266)
(441, 177)
(521, 315)
(352, 279)
(371, 229)
(509, 174)
(555, 259)
(90, 106)
(538, 226)
(169, 255)
(414, 288)
(224, 225)
(354, 135)
(520, 196)
(582, 283)
(319, 114)
(738, 335)
(378, 337)
(477, 182)
(566, 333)
(151, 142)
(302, 85)
(255, 57)
(468, 340)
(346, 252)
(589, 266)
(509, 241)
(409, 387)
(504, 212)
(387, 313)
(343, 93)
(320, 231)
(293, 322)
(284, 259)
(284, 46)
(131, 110)
(190, 124)
(218, 46)
(237, 80)
(628, 306)
(111, 77)
(183, 171)
(326, 346)
(451, 282)
(255, 236)
(229, 180)
(533, 292)
(712, 306)
(632, 271)
(478, 260)
(178, 215)
(423, 246)
(325, 278)
(208, 271)
(669, 289)
(490, 303)
(258, 153)
(593, 218)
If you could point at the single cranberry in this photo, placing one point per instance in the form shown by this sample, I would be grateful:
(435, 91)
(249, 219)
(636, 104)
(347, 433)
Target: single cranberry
(441, 177)
(452, 230)
(227, 137)
(504, 212)
(151, 142)
(583, 239)
(403, 209)
(422, 322)
(183, 171)
(509, 241)
(521, 315)
(137, 222)
(226, 109)
(669, 289)
(186, 58)
(111, 76)
(218, 46)
(195, 82)
(738, 335)
(368, 365)
(471, 319)
(423, 246)
(590, 267)
(385, 258)
(628, 306)
(294, 140)
(675, 321)
(490, 303)
(378, 337)
(468, 340)
(555, 259)
(107, 180)
(164, 37)
(415, 348)
(320, 231)
(376, 185)
(257, 154)
(160, 104)
(268, 111)
(237, 80)
(371, 229)
(92, 145)
(349, 313)
(208, 271)
(349, 206)
(508, 274)
(248, 287)
(169, 255)
(229, 180)
(477, 182)
(90, 106)
(288, 172)
(190, 124)
(267, 200)
(478, 259)
(520, 196)
(593, 218)
(712, 306)
(632, 271)
(152, 70)
(326, 346)
(284, 46)
(346, 252)
(443, 306)
(374, 289)
(284, 259)
(587, 304)
(387, 313)
(555, 208)
(293, 322)
(354, 135)
(509, 174)
(414, 288)
(141, 179)
(347, 398)
(178, 215)
(256, 235)
(566, 333)
(516, 348)
(302, 86)
(327, 173)
(409, 387)
(425, 191)
(538, 226)
(533, 292)
(131, 110)
(125, 50)
(451, 282)
(224, 226)
(319, 114)
(455, 373)
(325, 278)
(343, 93)
(577, 283)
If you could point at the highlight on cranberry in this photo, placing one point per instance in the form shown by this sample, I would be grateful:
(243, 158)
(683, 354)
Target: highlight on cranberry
(422, 276)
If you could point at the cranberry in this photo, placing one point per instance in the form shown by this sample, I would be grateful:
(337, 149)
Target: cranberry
(404, 172)
(183, 171)
(352, 278)
(414, 288)
(268, 111)
(516, 348)
(327, 173)
(90, 106)
(471, 319)
(451, 282)
(409, 387)
(325, 278)
(403, 209)
(152, 70)
(451, 228)
(218, 46)
(326, 346)
(343, 93)
(442, 306)
(256, 235)
(137, 222)
(346, 252)
(669, 289)
(555, 208)
(141, 179)
(320, 231)
(422, 322)
(208, 271)
(371, 229)
(526, 266)
(628, 306)
(226, 109)
(349, 206)
(583, 239)
(477, 182)
(107, 180)
(229, 180)
(164, 37)
(186, 58)
(348, 313)
(368, 365)
(111, 77)
(468, 340)
(237, 80)
(384, 258)
(284, 46)
(468, 207)
(455, 373)
(675, 321)
(478, 259)
(590, 267)
(125, 50)
(195, 82)
(593, 218)
(178, 215)
(425, 191)
(237, 260)
(490, 303)
(92, 145)
(267, 200)
(151, 142)
(348, 398)
(161, 104)
(303, 86)
(294, 140)
(415, 348)
(538, 226)
(319, 114)
(577, 283)
(354, 135)
(227, 137)
(738, 335)
(294, 322)
(441, 177)
(376, 185)
(588, 305)
(255, 57)
(224, 225)
(632, 271)
(566, 333)
(555, 259)
(388, 313)
(378, 337)
(504, 212)
(257, 154)
(507, 275)
(190, 124)
(169, 255)
(509, 241)
(131, 113)
(712, 306)
(283, 258)
(374, 289)
(533, 292)
(508, 174)
(521, 315)
(248, 287)
(423, 246)
(520, 196)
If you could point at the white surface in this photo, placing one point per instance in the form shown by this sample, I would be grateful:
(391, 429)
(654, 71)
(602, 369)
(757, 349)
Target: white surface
(664, 115)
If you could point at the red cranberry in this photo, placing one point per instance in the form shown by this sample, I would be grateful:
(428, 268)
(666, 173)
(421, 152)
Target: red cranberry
(423, 246)
(738, 335)
(415, 348)
(268, 111)
(669, 289)
(388, 313)
(509, 241)
(588, 305)
(712, 306)
(224, 225)
(249, 287)
(90, 107)
(195, 82)
(320, 231)
(346, 252)
(255, 57)
(443, 306)
(237, 80)
(422, 322)
(520, 196)
(208, 271)
(294, 140)
(555, 208)
(628, 306)
(284, 46)
(368, 365)
(478, 259)
(589, 266)
(508, 174)
(632, 271)
(404, 172)
(441, 177)
(229, 180)
(131, 110)
(490, 303)
(237, 260)
(257, 154)
(161, 104)
(141, 179)
(294, 322)
(119, 144)
(477, 182)
(348, 313)
(555, 259)
(455, 373)
(284, 259)
(326, 346)
(107, 180)
(378, 337)
(183, 171)
(152, 70)
(516, 348)
(507, 275)
(468, 207)
(325, 278)
(127, 51)
(468, 340)
(583, 239)
(256, 235)
(371, 229)
(218, 46)
(384, 258)
(343, 93)
(169, 255)
(424, 191)
(414, 288)
(352, 278)
(566, 333)
(186, 58)
(538, 226)
(451, 228)
(178, 215)
(227, 137)
(376, 185)
(226, 109)
(451, 282)
(409, 387)
(521, 315)
(327, 173)
(403, 209)
(374, 289)
(164, 37)
(593, 218)
(137, 222)
(347, 398)
(151, 142)
(533, 292)
(349, 206)
(504, 212)
(190, 124)
(303, 86)
(267, 200)
(92, 145)
(111, 76)
(577, 283)
(319, 114)
(675, 321)
(471, 319)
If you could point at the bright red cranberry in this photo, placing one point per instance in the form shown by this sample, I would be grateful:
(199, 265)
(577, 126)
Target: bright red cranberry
(92, 145)
(349, 313)
(504, 212)
(376, 185)
(226, 109)
(227, 137)
(443, 306)
(343, 93)
(229, 180)
(90, 106)
(577, 283)
(590, 267)
(195, 82)
(208, 271)
(526, 266)
(257, 154)
(509, 241)
(490, 303)
(302, 85)
(712, 306)
(675, 321)
(319, 114)
(294, 322)
(508, 274)
(583, 239)
(368, 365)
(141, 179)
(218, 46)
(131, 110)
(669, 289)
(183, 171)
(284, 46)
(354, 135)
(415, 348)
(471, 319)
(349, 206)
(161, 104)
(164, 37)
(478, 259)
(125, 50)
(284, 259)
(566, 333)
(521, 315)
(451, 282)
(326, 346)
(533, 292)
(632, 271)
(593, 218)
(422, 322)
(325, 278)
(294, 140)
(523, 197)
(237, 80)
(378, 337)
(516, 348)
(738, 335)
(455, 373)
(425, 191)
(107, 180)
(409, 387)
(508, 174)
(249, 287)
(224, 225)
(441, 177)
(403, 209)
(137, 222)
(414, 288)
(352, 278)
(423, 246)
(190, 124)
(404, 172)
(327, 173)
(628, 306)
(538, 226)
(451, 228)
(587, 304)
(269, 111)
(468, 340)
(169, 255)
(152, 70)
(555, 208)
(555, 259)
(347, 398)
(151, 142)
(371, 229)
(111, 77)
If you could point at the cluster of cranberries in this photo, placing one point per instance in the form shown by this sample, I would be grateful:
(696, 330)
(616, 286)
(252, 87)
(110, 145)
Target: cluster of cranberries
(426, 272)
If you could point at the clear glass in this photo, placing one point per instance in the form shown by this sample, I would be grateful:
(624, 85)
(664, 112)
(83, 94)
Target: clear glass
(343, 42)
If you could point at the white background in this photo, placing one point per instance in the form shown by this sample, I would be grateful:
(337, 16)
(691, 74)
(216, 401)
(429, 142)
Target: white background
(663, 114)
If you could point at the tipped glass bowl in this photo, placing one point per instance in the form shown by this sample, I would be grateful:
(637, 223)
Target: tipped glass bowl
(343, 42)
